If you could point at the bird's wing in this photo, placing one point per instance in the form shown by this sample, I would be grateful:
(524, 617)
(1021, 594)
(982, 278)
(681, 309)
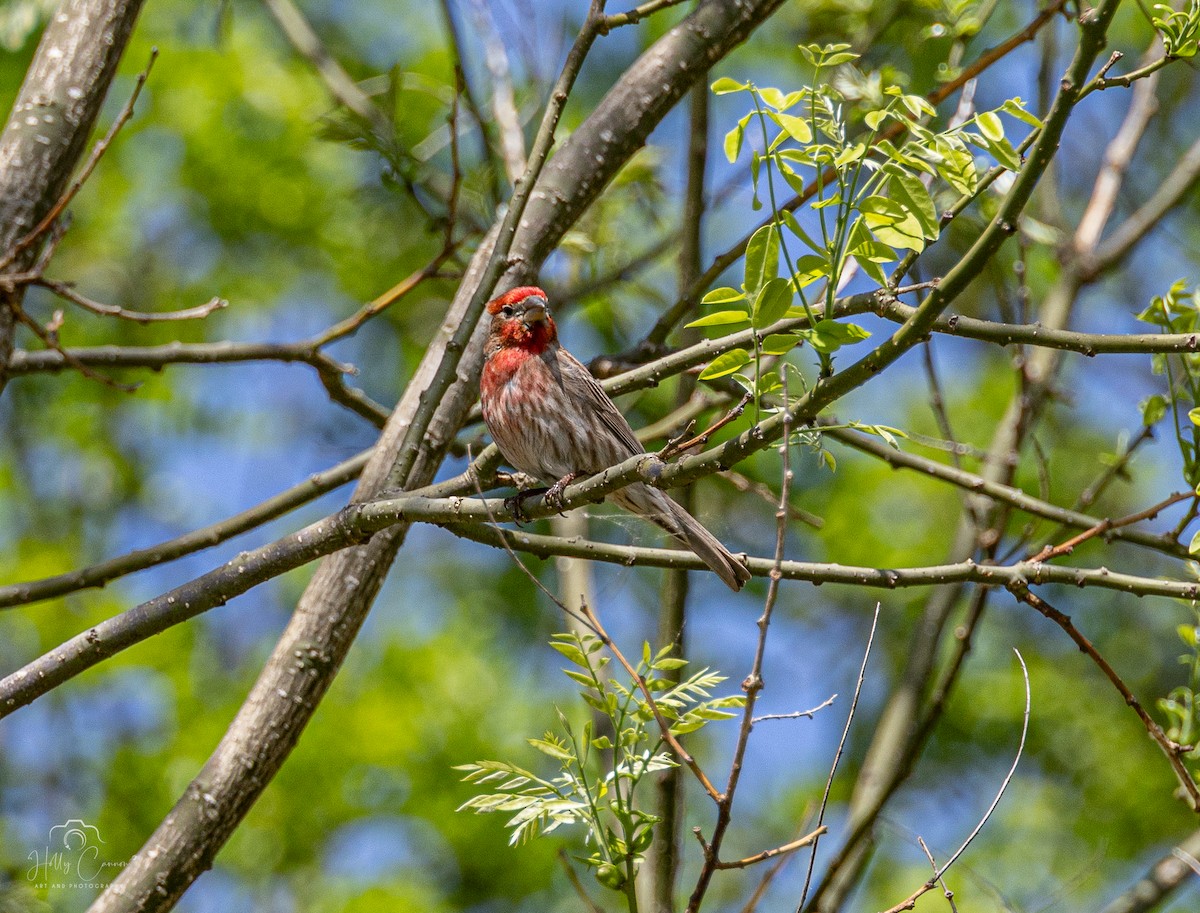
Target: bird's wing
(589, 390)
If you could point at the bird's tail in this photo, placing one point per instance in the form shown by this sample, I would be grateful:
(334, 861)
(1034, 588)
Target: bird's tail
(659, 509)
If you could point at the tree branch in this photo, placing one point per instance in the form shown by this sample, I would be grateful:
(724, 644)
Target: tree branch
(50, 122)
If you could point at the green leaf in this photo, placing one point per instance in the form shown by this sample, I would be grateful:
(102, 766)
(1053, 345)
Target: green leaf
(873, 252)
(990, 125)
(830, 335)
(580, 677)
(720, 319)
(733, 142)
(1153, 408)
(1016, 108)
(725, 85)
(957, 165)
(794, 180)
(779, 344)
(918, 106)
(1194, 415)
(796, 127)
(773, 97)
(670, 663)
(571, 652)
(1194, 548)
(726, 363)
(880, 211)
(837, 59)
(723, 295)
(910, 193)
(810, 268)
(875, 118)
(772, 303)
(552, 749)
(762, 258)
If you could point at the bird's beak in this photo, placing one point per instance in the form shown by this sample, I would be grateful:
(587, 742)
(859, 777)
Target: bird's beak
(535, 313)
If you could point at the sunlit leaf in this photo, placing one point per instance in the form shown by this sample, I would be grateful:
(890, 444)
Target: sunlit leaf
(726, 363)
(772, 303)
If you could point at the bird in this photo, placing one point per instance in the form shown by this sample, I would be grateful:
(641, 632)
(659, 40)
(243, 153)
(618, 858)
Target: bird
(553, 421)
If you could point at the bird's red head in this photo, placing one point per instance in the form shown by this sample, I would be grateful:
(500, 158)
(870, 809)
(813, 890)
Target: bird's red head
(521, 320)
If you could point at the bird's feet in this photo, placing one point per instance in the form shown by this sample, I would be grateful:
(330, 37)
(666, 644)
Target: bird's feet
(554, 494)
(514, 504)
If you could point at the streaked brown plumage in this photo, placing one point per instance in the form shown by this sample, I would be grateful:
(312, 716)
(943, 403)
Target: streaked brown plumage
(551, 419)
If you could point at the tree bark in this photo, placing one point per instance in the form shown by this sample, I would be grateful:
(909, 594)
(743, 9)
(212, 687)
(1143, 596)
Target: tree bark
(50, 122)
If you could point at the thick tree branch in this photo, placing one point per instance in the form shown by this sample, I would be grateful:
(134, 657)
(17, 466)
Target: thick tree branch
(50, 121)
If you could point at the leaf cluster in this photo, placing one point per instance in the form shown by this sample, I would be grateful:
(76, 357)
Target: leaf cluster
(871, 199)
(602, 764)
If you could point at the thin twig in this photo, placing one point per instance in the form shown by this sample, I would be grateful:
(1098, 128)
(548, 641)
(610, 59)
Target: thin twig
(936, 874)
(381, 303)
(1173, 750)
(797, 714)
(572, 876)
(862, 675)
(341, 86)
(49, 338)
(760, 889)
(804, 841)
(909, 902)
(98, 151)
(635, 15)
(1054, 551)
(495, 166)
(663, 723)
(761, 490)
(682, 444)
(753, 683)
(64, 290)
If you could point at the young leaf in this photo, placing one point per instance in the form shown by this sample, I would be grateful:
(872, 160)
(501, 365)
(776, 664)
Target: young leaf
(793, 224)
(957, 165)
(725, 85)
(733, 142)
(1016, 108)
(796, 127)
(772, 97)
(779, 344)
(724, 295)
(772, 303)
(910, 193)
(726, 363)
(720, 319)
(554, 750)
(1153, 409)
(990, 125)
(762, 258)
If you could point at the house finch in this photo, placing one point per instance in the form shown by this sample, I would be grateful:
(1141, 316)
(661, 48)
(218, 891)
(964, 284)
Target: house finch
(553, 421)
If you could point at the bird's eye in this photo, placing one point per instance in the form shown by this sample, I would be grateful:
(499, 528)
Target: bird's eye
(506, 311)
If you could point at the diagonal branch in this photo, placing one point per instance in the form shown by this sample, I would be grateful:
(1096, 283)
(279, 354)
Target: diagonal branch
(50, 121)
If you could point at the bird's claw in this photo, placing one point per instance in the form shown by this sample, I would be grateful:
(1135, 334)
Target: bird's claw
(554, 494)
(515, 504)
